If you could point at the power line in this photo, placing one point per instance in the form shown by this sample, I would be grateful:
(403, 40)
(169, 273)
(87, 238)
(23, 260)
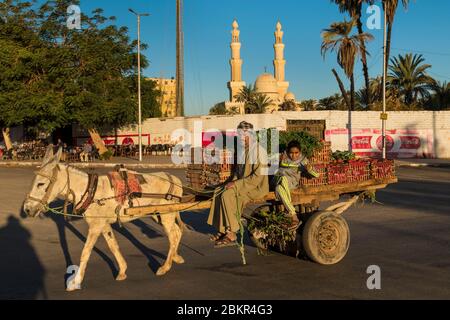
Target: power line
(439, 75)
(376, 60)
(424, 52)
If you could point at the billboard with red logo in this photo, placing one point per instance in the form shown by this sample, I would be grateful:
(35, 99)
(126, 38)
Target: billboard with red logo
(399, 143)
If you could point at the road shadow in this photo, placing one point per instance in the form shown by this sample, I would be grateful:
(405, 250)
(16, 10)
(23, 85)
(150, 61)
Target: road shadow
(197, 222)
(150, 254)
(21, 272)
(148, 231)
(62, 225)
(429, 196)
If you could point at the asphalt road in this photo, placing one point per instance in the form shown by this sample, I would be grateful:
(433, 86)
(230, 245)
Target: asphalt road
(407, 236)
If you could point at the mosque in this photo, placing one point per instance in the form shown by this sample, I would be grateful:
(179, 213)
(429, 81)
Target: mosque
(275, 87)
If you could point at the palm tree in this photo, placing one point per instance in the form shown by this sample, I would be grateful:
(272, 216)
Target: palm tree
(339, 38)
(408, 75)
(354, 9)
(441, 97)
(309, 105)
(390, 6)
(334, 102)
(288, 106)
(246, 94)
(259, 104)
(218, 109)
(376, 90)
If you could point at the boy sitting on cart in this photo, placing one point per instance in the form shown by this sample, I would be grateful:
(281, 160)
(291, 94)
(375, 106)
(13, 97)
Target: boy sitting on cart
(293, 162)
(250, 182)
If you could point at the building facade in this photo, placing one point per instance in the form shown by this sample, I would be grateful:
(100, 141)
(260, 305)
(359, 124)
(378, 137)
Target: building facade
(168, 96)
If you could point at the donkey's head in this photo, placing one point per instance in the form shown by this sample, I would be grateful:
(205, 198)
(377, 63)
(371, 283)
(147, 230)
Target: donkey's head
(46, 186)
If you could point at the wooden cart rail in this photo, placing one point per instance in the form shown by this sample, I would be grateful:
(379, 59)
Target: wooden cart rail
(304, 195)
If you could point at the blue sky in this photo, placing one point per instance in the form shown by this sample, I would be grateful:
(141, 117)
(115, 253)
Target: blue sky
(424, 28)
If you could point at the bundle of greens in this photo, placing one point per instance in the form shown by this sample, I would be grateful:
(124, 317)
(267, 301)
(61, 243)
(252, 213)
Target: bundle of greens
(307, 142)
(344, 156)
(271, 226)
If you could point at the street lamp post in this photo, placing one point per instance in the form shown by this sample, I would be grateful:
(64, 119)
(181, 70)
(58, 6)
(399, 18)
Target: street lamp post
(384, 115)
(139, 80)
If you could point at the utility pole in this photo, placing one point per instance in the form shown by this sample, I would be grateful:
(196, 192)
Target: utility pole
(180, 61)
(139, 80)
(384, 114)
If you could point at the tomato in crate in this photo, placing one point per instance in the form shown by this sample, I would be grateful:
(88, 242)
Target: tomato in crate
(339, 173)
(359, 170)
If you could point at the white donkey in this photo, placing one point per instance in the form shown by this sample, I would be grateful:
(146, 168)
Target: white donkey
(55, 180)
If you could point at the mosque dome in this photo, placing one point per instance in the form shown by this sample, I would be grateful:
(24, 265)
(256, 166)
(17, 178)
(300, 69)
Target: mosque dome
(289, 96)
(266, 83)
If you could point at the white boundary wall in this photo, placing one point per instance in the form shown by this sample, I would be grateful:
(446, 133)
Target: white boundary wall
(410, 133)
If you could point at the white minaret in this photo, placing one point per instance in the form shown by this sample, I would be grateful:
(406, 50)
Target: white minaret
(279, 63)
(236, 83)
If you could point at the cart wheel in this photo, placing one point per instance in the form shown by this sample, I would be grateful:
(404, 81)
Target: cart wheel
(326, 237)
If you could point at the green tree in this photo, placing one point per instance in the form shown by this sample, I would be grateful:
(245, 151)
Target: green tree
(348, 47)
(52, 76)
(334, 102)
(354, 9)
(409, 77)
(254, 102)
(98, 67)
(26, 92)
(390, 6)
(440, 100)
(220, 109)
(259, 104)
(246, 94)
(288, 105)
(309, 105)
(393, 101)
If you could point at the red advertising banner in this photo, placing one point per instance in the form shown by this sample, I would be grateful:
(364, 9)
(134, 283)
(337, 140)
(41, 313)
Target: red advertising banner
(410, 142)
(125, 139)
(399, 143)
(361, 142)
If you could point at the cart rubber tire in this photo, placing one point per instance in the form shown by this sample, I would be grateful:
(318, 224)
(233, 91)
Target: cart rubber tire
(326, 237)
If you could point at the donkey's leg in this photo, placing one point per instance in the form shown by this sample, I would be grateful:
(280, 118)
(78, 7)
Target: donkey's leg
(178, 232)
(168, 221)
(94, 232)
(111, 240)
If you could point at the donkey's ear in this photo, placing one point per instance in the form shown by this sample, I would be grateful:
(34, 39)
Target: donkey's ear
(48, 155)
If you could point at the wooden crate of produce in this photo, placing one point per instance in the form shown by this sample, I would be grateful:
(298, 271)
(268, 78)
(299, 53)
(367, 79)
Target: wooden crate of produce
(323, 154)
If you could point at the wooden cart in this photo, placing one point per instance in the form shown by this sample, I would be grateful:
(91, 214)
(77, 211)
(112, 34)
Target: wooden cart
(324, 234)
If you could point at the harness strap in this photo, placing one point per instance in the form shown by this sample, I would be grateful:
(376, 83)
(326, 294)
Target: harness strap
(169, 195)
(166, 196)
(52, 180)
(88, 195)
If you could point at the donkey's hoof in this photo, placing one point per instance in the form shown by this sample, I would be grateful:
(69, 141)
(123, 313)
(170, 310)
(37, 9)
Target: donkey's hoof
(178, 259)
(162, 271)
(72, 286)
(121, 277)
